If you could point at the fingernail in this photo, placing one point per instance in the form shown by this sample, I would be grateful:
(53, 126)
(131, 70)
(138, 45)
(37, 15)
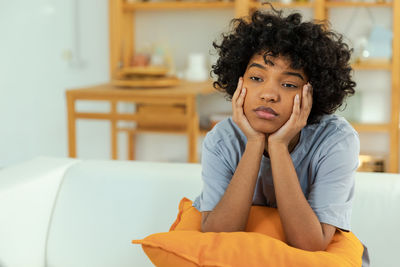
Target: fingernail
(297, 97)
(243, 91)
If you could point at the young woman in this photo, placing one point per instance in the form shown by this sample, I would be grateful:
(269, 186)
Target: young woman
(283, 147)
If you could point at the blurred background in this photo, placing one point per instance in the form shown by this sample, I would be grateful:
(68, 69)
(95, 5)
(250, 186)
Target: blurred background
(51, 46)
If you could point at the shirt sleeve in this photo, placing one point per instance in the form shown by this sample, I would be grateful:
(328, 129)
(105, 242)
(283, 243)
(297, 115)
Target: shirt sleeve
(216, 173)
(332, 192)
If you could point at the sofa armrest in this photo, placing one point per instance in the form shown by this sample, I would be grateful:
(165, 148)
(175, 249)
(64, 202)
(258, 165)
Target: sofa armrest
(27, 195)
(376, 216)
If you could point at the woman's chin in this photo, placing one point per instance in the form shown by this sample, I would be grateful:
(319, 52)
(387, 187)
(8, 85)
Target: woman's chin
(264, 127)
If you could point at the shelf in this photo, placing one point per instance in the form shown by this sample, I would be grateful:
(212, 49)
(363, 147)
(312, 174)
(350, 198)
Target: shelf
(224, 4)
(176, 5)
(282, 5)
(332, 4)
(371, 127)
(372, 162)
(372, 65)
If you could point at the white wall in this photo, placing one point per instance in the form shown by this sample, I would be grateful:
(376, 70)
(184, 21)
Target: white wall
(39, 51)
(39, 37)
(35, 38)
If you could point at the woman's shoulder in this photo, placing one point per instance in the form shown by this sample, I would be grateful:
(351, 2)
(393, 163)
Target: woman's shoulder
(225, 131)
(332, 125)
(331, 130)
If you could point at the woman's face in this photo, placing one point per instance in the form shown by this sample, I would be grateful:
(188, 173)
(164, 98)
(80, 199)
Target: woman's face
(271, 89)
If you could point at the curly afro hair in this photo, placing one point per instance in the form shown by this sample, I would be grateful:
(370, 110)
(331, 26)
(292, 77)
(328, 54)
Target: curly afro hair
(320, 53)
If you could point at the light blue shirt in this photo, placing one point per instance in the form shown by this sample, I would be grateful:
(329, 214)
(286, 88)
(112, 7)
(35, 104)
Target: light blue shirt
(325, 159)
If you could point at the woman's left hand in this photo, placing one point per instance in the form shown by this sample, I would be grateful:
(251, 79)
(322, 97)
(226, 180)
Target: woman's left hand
(297, 120)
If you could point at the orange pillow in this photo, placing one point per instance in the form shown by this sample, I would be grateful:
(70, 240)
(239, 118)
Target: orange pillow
(261, 244)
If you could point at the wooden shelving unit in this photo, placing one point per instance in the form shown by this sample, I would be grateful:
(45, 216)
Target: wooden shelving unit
(122, 42)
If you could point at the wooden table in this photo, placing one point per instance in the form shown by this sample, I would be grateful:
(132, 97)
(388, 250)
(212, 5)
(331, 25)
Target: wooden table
(181, 98)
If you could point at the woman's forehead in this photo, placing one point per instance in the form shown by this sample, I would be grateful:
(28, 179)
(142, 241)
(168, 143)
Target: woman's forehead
(271, 60)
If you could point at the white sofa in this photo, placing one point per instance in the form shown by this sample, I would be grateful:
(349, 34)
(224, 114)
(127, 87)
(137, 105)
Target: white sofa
(60, 212)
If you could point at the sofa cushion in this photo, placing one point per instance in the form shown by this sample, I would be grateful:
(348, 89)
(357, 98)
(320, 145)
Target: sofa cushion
(263, 243)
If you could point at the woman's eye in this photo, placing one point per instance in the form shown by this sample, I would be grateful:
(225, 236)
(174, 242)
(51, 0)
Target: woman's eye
(289, 85)
(257, 79)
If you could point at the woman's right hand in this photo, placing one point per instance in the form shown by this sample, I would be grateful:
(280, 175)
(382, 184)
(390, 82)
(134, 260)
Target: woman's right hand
(238, 114)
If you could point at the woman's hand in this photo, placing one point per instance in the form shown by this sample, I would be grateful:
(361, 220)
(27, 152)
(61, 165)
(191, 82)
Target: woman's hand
(238, 115)
(297, 121)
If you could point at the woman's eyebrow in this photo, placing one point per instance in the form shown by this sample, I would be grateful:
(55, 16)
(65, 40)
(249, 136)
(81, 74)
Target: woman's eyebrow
(257, 65)
(294, 74)
(286, 72)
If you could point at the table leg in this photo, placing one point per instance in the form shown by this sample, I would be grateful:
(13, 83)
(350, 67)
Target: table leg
(192, 128)
(114, 132)
(71, 126)
(193, 138)
(131, 145)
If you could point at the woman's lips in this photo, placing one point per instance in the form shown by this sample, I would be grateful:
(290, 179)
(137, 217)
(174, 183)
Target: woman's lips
(265, 113)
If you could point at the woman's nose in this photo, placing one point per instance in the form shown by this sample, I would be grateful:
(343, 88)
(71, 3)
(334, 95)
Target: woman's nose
(269, 93)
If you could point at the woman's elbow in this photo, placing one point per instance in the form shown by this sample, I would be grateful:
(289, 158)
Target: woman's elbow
(208, 227)
(204, 228)
(309, 245)
(314, 248)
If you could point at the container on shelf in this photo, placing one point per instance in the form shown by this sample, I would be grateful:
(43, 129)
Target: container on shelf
(197, 70)
(371, 163)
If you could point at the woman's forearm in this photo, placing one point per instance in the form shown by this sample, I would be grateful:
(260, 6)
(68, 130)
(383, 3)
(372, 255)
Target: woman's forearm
(231, 213)
(300, 224)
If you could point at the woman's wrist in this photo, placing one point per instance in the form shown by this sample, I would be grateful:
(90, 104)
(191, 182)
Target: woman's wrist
(283, 144)
(274, 147)
(256, 144)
